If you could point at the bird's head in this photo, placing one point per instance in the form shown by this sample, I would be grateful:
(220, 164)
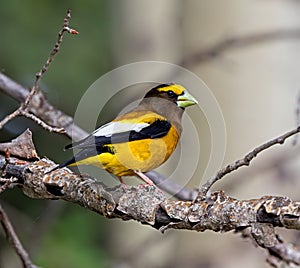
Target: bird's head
(172, 92)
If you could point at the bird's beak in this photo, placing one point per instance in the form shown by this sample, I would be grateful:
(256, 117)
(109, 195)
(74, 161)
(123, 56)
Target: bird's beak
(186, 100)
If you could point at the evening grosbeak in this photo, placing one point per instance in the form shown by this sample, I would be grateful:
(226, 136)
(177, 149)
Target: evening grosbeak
(139, 140)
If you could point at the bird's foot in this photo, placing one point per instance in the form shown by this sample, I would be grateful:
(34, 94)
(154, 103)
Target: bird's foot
(147, 180)
(123, 184)
(144, 177)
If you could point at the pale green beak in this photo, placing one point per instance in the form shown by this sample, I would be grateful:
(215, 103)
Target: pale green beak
(186, 100)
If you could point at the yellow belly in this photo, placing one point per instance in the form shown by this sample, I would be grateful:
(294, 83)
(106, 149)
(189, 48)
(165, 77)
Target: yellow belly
(141, 155)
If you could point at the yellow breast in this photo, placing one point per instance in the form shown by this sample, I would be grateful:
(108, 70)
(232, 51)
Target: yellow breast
(141, 155)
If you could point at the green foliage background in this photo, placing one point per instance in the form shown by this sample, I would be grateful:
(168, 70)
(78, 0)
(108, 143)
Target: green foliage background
(28, 30)
(256, 84)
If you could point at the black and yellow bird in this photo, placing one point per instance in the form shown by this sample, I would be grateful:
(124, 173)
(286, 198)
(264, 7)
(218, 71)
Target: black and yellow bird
(139, 140)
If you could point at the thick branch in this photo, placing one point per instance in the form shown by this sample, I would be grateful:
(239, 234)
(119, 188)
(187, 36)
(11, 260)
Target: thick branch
(147, 204)
(150, 206)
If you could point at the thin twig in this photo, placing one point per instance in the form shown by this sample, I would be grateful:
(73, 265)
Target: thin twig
(41, 108)
(23, 109)
(41, 122)
(24, 112)
(245, 161)
(9, 117)
(51, 57)
(172, 187)
(14, 240)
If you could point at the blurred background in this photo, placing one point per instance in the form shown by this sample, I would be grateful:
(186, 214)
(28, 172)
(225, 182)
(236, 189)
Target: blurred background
(247, 52)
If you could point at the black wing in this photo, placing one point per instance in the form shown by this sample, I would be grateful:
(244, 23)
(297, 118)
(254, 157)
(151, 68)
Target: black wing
(94, 145)
(157, 129)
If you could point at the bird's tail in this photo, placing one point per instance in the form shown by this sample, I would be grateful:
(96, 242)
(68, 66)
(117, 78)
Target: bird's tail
(64, 164)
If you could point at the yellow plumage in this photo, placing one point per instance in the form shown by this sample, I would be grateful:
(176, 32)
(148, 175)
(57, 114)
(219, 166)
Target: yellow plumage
(140, 140)
(142, 155)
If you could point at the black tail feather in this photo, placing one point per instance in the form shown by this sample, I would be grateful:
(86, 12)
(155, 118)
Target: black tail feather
(64, 164)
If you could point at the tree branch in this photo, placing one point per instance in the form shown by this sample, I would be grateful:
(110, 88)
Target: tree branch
(145, 204)
(23, 108)
(149, 206)
(245, 161)
(172, 187)
(40, 107)
(14, 240)
(279, 252)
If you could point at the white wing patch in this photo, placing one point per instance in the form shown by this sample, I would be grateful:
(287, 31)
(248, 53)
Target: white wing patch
(111, 128)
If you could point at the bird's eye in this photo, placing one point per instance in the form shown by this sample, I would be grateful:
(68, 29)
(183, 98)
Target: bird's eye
(171, 94)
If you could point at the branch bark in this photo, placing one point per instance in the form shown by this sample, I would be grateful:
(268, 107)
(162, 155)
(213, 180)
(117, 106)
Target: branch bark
(148, 205)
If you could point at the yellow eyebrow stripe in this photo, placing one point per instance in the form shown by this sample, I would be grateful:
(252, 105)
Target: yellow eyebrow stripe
(177, 89)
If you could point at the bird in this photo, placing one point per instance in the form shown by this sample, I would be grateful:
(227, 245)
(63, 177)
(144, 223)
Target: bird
(139, 140)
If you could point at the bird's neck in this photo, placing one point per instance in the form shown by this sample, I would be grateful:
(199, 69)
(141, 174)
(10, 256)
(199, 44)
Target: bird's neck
(165, 108)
